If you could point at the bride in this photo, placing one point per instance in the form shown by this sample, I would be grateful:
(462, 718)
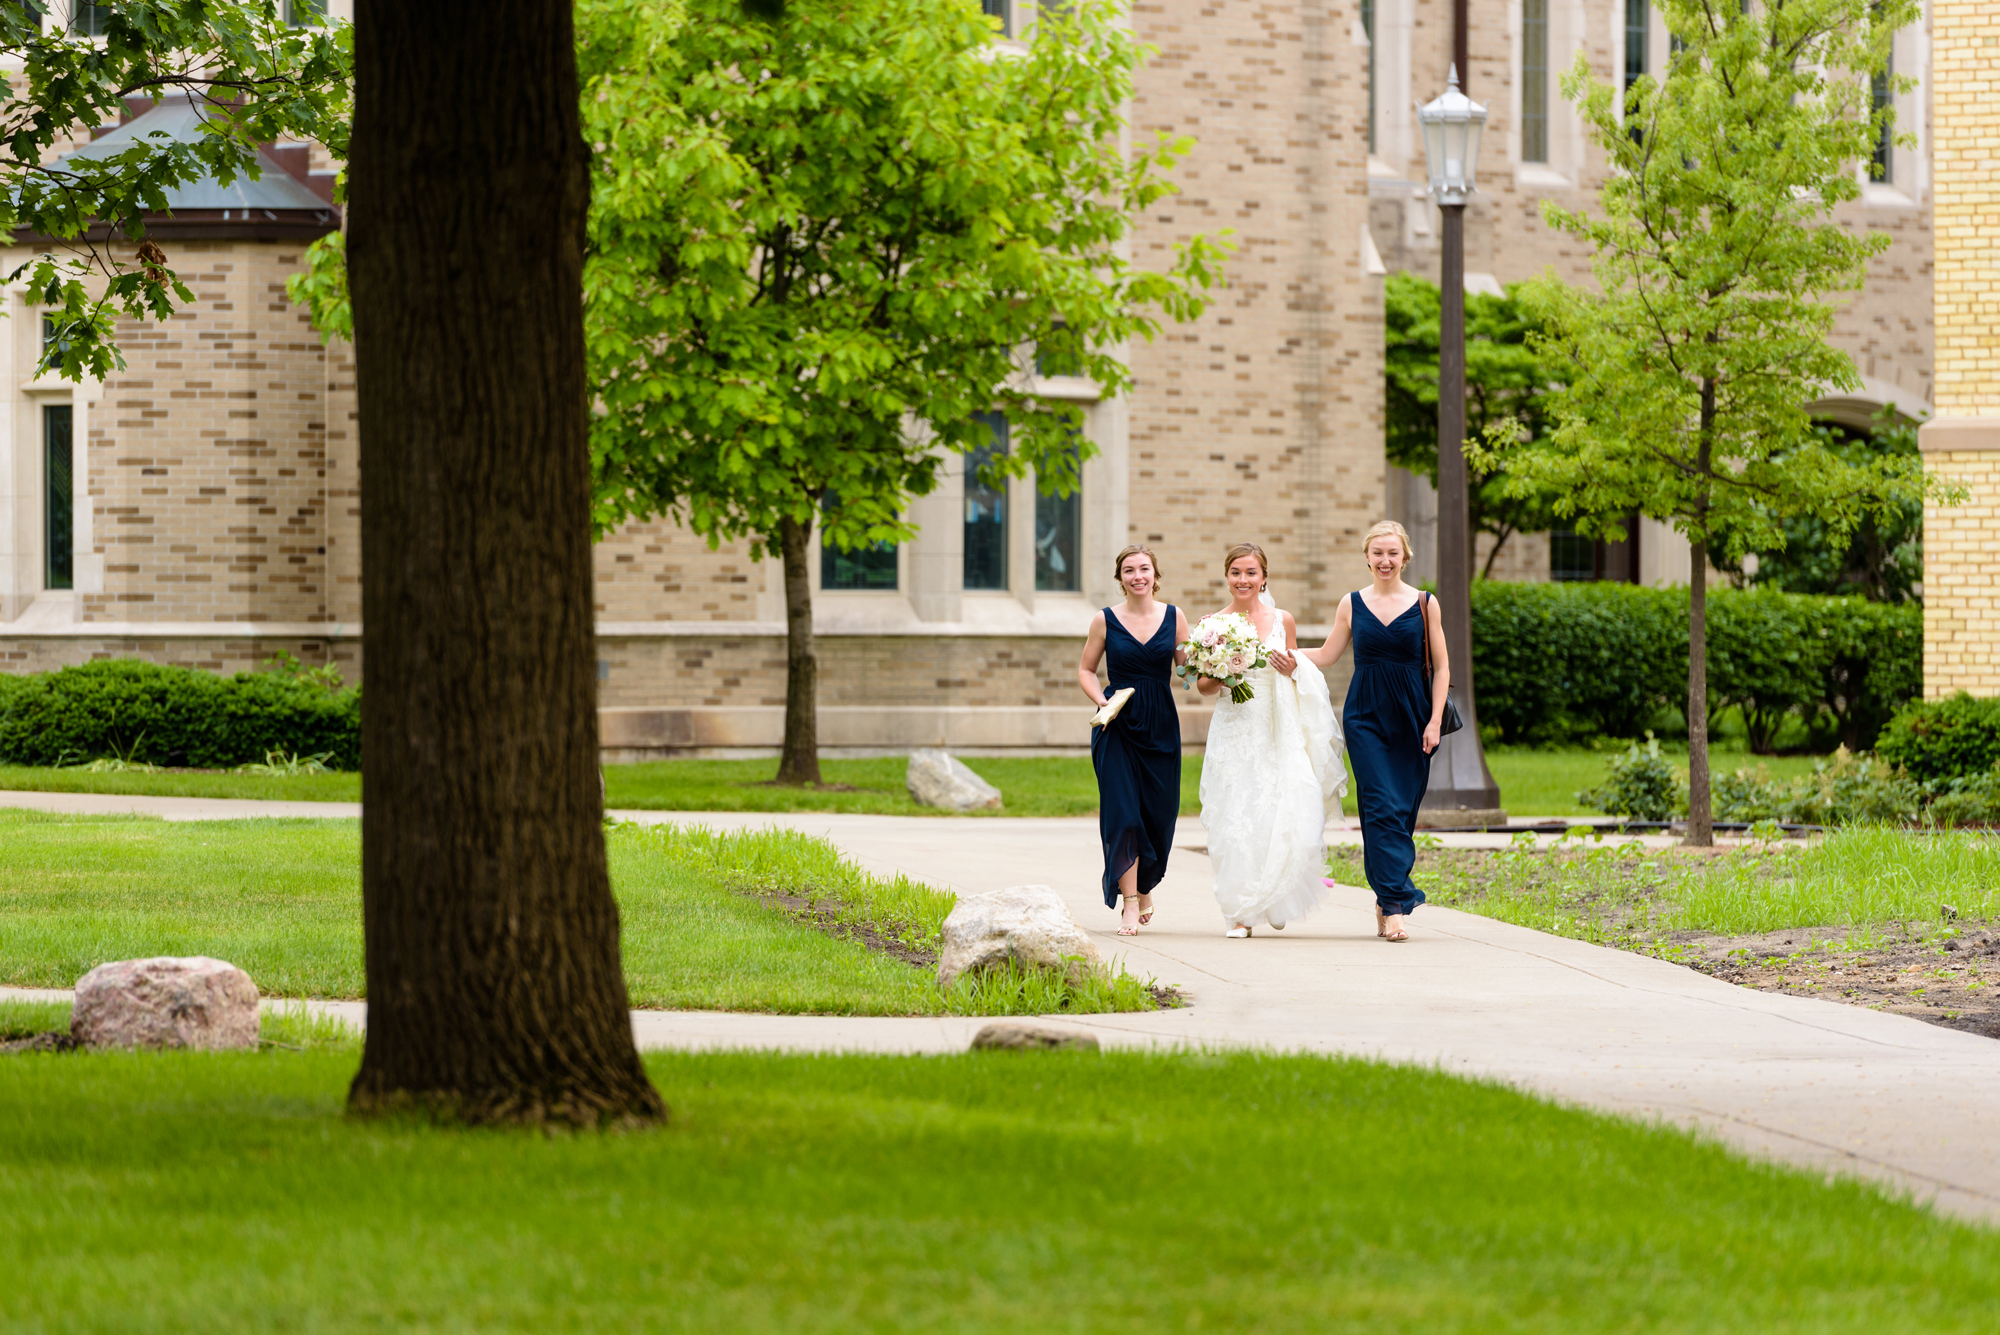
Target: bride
(1272, 775)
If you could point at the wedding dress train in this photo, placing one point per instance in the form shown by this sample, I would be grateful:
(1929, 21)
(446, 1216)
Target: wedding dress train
(1271, 779)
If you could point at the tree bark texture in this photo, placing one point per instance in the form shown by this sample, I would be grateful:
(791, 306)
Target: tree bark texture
(495, 992)
(1701, 817)
(800, 761)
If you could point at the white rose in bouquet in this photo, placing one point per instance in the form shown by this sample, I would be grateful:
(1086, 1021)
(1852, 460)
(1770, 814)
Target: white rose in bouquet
(1226, 647)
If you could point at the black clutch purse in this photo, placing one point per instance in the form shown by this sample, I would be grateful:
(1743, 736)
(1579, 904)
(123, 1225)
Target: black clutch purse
(1451, 722)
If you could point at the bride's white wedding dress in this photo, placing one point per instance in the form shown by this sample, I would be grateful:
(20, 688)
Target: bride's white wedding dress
(1271, 779)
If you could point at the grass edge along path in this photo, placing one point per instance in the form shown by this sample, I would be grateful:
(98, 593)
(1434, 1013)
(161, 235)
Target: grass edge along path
(866, 1193)
(1532, 783)
(280, 898)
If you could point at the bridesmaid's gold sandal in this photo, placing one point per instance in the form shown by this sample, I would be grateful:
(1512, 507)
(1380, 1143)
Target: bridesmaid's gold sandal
(1145, 914)
(1123, 930)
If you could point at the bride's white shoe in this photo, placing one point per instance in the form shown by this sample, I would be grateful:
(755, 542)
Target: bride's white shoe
(1237, 933)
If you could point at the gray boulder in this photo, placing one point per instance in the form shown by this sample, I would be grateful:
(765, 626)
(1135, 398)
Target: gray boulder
(166, 1002)
(1008, 1036)
(937, 780)
(1028, 924)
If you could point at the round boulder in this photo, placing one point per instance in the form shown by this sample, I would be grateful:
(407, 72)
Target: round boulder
(936, 779)
(166, 1002)
(1028, 924)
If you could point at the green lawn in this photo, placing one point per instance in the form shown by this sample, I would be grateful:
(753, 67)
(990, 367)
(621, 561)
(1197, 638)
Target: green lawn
(281, 899)
(1532, 783)
(983, 1192)
(1617, 892)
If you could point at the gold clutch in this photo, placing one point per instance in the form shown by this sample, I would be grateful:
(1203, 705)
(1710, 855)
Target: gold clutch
(1112, 706)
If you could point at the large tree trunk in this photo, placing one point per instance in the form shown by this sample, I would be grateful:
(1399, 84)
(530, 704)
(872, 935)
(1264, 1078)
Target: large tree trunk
(494, 987)
(800, 763)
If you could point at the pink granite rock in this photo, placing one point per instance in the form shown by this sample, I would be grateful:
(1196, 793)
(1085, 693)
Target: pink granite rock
(166, 1003)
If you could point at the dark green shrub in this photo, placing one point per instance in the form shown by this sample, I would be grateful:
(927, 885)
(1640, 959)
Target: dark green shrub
(1567, 661)
(1642, 785)
(1954, 738)
(175, 716)
(1969, 801)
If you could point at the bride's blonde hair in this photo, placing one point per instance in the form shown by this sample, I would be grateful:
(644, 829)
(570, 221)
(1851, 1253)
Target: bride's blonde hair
(1243, 549)
(1385, 528)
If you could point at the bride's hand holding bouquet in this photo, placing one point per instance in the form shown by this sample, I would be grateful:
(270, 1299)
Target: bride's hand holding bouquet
(1226, 648)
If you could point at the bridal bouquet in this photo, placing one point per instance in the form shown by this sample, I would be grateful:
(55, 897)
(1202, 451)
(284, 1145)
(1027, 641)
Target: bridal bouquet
(1226, 647)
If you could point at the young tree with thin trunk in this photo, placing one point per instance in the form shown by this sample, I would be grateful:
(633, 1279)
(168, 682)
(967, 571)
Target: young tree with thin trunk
(1686, 377)
(494, 987)
(822, 249)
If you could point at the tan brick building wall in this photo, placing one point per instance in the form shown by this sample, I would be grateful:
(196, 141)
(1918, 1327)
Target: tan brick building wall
(1962, 543)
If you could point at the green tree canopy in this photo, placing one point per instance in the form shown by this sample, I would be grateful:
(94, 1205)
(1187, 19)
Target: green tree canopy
(1687, 373)
(1881, 558)
(255, 78)
(1506, 378)
(823, 248)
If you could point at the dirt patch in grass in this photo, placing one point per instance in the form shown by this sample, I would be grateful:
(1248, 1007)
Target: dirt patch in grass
(805, 909)
(1949, 983)
(1944, 974)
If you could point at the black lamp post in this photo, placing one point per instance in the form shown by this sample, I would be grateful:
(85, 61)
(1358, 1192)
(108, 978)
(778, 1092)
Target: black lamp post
(1460, 780)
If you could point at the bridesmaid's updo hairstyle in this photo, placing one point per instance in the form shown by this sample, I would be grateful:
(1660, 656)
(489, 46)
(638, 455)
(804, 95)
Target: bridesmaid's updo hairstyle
(1387, 528)
(1136, 549)
(1243, 549)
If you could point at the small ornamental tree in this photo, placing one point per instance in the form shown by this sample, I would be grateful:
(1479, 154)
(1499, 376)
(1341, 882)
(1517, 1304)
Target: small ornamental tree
(823, 248)
(1686, 377)
(254, 78)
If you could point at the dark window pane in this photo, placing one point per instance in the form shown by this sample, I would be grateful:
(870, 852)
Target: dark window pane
(59, 495)
(1884, 147)
(1058, 542)
(1571, 556)
(1534, 80)
(986, 514)
(89, 19)
(1368, 26)
(1638, 18)
(863, 568)
(1002, 10)
(305, 13)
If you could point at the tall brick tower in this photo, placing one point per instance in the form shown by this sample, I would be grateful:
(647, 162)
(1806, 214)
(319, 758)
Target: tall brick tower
(1962, 443)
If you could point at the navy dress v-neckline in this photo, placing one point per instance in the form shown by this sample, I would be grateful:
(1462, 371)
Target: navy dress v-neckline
(1388, 708)
(1138, 756)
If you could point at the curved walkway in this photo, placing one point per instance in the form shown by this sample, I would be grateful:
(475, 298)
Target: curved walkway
(1811, 1082)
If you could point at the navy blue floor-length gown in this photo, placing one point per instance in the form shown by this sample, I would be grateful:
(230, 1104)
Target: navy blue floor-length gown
(1388, 708)
(1138, 756)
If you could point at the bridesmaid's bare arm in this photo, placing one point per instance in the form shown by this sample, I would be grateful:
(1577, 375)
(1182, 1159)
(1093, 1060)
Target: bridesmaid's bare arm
(1093, 654)
(1337, 639)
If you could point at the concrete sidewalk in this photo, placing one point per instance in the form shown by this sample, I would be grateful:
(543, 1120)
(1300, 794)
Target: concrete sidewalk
(1814, 1083)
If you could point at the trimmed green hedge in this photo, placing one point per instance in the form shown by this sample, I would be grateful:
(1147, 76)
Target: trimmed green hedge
(1564, 661)
(174, 716)
(1955, 738)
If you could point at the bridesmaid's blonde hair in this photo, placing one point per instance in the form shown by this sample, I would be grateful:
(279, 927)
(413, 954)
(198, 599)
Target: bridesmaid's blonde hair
(1382, 530)
(1136, 549)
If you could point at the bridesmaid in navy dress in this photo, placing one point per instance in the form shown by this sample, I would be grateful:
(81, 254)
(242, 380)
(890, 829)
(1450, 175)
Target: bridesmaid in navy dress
(1137, 754)
(1393, 717)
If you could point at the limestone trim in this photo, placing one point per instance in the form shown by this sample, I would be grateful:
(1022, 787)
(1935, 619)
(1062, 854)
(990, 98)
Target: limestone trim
(1954, 435)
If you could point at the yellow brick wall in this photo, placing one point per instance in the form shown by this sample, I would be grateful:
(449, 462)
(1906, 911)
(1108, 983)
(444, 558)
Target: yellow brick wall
(1262, 421)
(205, 456)
(1962, 543)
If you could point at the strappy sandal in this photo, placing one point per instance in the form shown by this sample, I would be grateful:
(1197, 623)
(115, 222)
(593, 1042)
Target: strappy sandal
(1123, 930)
(1380, 929)
(1398, 935)
(1146, 916)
